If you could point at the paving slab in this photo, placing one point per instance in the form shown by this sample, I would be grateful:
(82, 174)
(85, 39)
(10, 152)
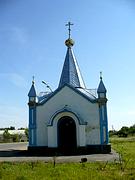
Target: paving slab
(11, 152)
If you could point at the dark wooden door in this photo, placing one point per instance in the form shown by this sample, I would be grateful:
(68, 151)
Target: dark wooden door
(67, 133)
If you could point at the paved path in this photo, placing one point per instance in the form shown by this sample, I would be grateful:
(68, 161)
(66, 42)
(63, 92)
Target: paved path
(11, 152)
(13, 146)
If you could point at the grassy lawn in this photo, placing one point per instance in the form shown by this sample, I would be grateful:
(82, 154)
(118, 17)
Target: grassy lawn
(124, 169)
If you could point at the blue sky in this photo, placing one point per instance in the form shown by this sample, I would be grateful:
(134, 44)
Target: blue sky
(32, 35)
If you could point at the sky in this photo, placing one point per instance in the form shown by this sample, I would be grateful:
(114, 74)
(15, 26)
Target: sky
(32, 36)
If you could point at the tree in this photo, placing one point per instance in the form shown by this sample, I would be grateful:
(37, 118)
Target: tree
(132, 130)
(16, 137)
(112, 133)
(21, 128)
(11, 128)
(123, 132)
(27, 133)
(6, 136)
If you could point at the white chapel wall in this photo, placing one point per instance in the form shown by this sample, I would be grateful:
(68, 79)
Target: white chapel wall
(82, 107)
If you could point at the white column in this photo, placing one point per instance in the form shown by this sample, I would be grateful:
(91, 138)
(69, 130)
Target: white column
(82, 137)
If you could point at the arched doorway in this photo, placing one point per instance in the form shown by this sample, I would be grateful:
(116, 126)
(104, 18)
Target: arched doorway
(66, 133)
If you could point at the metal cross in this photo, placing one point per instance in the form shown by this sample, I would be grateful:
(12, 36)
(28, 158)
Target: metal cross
(33, 80)
(69, 29)
(100, 74)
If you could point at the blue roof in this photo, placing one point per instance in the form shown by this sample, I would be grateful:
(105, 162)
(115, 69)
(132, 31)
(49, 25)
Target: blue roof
(44, 96)
(101, 87)
(71, 73)
(80, 91)
(87, 92)
(32, 92)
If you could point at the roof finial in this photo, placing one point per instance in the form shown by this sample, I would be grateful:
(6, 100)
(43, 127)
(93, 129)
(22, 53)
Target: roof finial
(101, 75)
(33, 80)
(69, 42)
(69, 24)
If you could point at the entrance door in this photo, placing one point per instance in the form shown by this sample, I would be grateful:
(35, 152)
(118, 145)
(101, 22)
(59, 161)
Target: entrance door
(66, 133)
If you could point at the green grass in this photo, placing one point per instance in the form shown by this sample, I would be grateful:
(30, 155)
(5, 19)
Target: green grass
(126, 149)
(122, 170)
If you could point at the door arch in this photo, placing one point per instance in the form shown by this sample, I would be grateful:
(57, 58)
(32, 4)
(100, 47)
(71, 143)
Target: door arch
(66, 131)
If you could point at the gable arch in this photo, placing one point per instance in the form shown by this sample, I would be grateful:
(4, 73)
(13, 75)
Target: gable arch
(53, 127)
(65, 112)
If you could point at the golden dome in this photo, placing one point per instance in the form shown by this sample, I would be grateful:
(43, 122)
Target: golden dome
(69, 42)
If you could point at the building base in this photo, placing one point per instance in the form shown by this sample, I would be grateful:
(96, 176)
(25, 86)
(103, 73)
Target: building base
(90, 149)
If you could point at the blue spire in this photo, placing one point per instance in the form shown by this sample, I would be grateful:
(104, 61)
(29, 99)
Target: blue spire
(32, 92)
(101, 87)
(71, 73)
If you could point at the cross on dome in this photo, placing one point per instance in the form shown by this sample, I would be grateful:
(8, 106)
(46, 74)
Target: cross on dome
(69, 42)
(100, 74)
(69, 24)
(33, 80)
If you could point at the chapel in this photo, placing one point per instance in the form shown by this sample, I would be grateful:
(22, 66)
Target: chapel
(71, 119)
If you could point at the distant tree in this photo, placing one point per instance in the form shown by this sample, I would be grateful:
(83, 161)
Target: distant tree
(6, 136)
(8, 128)
(123, 132)
(2, 128)
(16, 137)
(132, 130)
(112, 133)
(22, 128)
(27, 133)
(11, 128)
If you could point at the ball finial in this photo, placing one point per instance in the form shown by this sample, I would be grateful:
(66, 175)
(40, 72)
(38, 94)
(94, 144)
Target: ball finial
(69, 42)
(101, 75)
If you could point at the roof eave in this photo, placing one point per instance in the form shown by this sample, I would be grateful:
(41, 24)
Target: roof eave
(73, 88)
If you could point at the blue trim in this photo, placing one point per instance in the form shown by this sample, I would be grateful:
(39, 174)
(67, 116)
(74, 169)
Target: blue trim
(30, 137)
(106, 123)
(74, 89)
(101, 124)
(65, 109)
(32, 122)
(35, 137)
(32, 126)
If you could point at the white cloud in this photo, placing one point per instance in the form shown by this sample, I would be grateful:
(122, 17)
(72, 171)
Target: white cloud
(15, 79)
(119, 117)
(19, 35)
(16, 116)
(14, 34)
(131, 112)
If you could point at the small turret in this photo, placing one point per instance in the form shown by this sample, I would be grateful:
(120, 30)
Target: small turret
(102, 100)
(101, 89)
(32, 94)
